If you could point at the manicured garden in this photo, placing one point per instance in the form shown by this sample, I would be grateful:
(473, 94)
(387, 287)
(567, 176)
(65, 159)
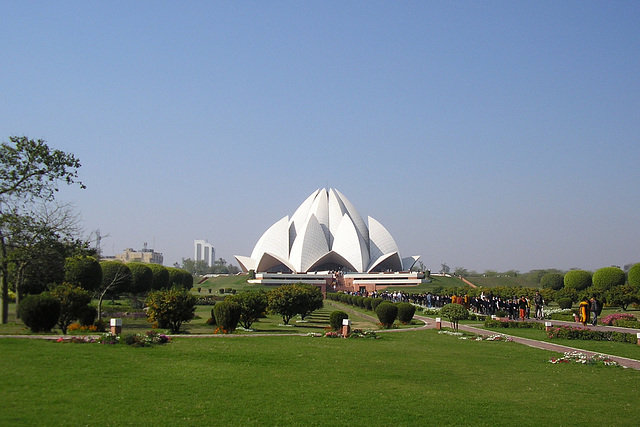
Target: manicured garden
(409, 378)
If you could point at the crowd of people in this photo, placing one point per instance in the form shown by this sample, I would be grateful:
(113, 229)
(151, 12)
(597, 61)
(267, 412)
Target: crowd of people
(515, 308)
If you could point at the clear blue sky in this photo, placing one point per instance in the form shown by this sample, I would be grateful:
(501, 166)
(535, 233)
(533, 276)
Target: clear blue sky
(485, 135)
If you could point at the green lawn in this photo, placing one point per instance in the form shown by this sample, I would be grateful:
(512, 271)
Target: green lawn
(409, 378)
(631, 351)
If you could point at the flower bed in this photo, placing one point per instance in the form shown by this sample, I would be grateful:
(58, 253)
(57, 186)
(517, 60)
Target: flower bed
(135, 340)
(356, 333)
(476, 337)
(577, 357)
(611, 318)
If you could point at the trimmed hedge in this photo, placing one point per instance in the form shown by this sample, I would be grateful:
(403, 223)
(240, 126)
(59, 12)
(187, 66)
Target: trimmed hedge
(227, 315)
(565, 303)
(634, 275)
(406, 312)
(387, 313)
(606, 278)
(577, 279)
(39, 312)
(375, 302)
(573, 333)
(336, 318)
(626, 324)
(489, 323)
(562, 317)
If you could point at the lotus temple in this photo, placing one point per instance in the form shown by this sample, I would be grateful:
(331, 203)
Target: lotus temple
(326, 242)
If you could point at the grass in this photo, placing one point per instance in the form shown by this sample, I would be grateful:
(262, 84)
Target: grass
(410, 378)
(319, 320)
(631, 351)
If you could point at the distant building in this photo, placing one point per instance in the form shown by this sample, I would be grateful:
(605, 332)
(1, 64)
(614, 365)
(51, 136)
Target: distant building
(204, 251)
(146, 255)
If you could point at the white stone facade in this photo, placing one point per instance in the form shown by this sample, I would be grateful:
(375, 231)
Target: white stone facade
(326, 233)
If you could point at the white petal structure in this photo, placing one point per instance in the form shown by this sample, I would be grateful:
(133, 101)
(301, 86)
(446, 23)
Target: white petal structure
(326, 233)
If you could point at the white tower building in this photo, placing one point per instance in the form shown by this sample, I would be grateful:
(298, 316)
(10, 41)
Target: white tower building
(204, 251)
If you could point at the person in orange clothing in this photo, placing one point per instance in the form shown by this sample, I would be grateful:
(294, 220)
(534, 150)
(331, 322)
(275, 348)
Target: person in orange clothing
(584, 311)
(522, 306)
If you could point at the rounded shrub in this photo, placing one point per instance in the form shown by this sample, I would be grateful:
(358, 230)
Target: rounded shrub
(39, 312)
(336, 318)
(406, 312)
(608, 277)
(387, 313)
(577, 279)
(87, 315)
(367, 303)
(83, 271)
(553, 281)
(227, 315)
(565, 303)
(141, 278)
(375, 302)
(634, 276)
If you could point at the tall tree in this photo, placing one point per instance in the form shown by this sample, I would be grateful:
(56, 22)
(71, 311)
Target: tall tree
(29, 171)
(115, 276)
(37, 243)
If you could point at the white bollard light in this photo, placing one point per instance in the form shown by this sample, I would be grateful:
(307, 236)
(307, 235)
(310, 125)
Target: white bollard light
(346, 327)
(116, 326)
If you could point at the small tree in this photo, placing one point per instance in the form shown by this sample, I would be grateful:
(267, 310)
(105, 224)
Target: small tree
(455, 313)
(622, 296)
(253, 305)
(40, 312)
(29, 170)
(170, 308)
(291, 300)
(73, 300)
(227, 314)
(312, 299)
(115, 276)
